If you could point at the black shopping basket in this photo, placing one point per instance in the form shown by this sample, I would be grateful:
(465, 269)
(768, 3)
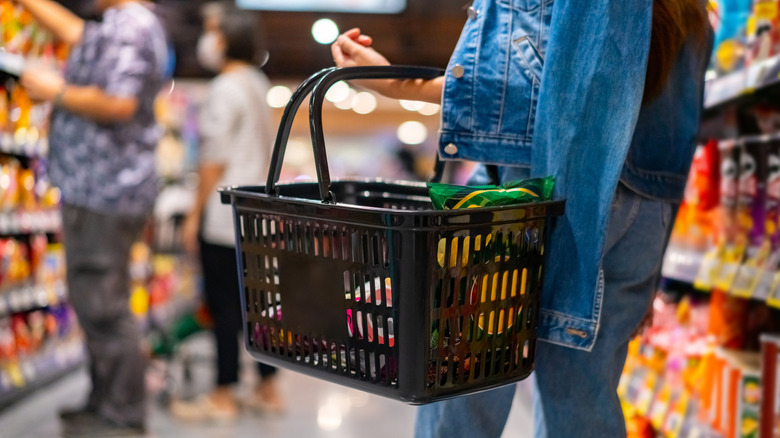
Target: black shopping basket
(364, 284)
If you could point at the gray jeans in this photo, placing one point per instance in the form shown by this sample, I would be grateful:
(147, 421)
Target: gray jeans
(97, 249)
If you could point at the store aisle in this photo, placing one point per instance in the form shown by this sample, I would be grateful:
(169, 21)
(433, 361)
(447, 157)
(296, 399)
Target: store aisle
(315, 409)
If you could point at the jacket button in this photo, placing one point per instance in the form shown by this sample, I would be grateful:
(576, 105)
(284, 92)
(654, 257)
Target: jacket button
(472, 13)
(451, 149)
(457, 71)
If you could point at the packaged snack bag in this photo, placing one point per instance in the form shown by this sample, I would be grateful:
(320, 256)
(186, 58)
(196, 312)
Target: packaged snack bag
(727, 246)
(752, 212)
(453, 197)
(694, 225)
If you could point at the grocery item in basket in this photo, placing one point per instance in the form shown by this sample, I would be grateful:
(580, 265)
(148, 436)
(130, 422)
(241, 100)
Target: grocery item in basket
(374, 290)
(453, 197)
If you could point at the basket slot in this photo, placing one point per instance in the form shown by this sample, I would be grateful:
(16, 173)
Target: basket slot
(317, 240)
(380, 330)
(344, 245)
(347, 286)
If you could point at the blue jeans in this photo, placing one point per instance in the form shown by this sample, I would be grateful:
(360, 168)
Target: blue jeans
(575, 390)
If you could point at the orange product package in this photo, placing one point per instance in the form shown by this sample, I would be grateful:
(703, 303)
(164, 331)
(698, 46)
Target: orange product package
(770, 376)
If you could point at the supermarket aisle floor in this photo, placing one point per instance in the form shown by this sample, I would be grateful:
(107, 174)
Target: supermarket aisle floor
(315, 409)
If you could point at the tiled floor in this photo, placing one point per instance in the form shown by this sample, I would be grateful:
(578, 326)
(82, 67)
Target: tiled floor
(315, 409)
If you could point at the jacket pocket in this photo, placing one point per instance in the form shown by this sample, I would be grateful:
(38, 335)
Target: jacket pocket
(524, 5)
(529, 56)
(522, 92)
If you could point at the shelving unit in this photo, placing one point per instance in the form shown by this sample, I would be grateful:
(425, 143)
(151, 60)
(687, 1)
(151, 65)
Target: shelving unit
(39, 337)
(695, 372)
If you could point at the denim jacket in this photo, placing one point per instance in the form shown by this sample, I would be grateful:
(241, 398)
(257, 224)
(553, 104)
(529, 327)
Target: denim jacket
(558, 87)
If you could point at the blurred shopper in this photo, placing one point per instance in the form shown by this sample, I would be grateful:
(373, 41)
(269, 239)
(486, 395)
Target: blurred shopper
(235, 148)
(605, 96)
(102, 140)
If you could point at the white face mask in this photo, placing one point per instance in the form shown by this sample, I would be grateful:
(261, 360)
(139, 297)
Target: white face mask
(210, 56)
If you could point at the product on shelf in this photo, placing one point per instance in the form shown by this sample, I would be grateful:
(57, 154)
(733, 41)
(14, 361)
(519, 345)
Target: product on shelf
(740, 404)
(23, 124)
(752, 214)
(684, 383)
(729, 18)
(693, 228)
(763, 31)
(770, 375)
(718, 266)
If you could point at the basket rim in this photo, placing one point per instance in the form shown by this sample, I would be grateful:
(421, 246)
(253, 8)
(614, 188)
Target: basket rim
(554, 207)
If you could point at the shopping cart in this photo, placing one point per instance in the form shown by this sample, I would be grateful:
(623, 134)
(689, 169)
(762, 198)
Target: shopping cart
(363, 283)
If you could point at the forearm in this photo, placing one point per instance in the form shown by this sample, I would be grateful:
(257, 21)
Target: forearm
(93, 103)
(209, 175)
(64, 24)
(425, 90)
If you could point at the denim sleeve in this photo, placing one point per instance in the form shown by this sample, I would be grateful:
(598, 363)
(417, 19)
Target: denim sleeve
(589, 101)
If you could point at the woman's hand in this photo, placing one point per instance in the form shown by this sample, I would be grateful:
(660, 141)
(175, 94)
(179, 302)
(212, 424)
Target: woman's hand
(42, 85)
(353, 49)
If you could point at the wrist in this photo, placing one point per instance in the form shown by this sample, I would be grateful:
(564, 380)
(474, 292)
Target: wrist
(59, 97)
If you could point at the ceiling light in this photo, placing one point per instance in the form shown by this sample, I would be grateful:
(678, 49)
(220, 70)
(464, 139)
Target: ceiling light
(278, 96)
(411, 105)
(348, 102)
(338, 92)
(429, 109)
(412, 132)
(365, 103)
(325, 31)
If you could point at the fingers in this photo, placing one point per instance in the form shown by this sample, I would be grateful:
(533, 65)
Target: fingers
(352, 33)
(364, 40)
(338, 54)
(348, 45)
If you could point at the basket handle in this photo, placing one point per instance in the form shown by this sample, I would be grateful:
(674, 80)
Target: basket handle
(320, 82)
(280, 144)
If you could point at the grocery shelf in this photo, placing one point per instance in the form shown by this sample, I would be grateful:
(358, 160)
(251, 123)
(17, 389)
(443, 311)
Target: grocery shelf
(22, 222)
(742, 85)
(682, 264)
(28, 297)
(21, 377)
(25, 145)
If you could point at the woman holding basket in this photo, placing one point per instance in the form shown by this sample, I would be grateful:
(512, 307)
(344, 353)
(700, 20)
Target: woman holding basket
(605, 96)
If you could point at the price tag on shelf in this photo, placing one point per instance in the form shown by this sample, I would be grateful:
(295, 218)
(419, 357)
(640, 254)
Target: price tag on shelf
(6, 140)
(5, 226)
(681, 264)
(25, 221)
(725, 88)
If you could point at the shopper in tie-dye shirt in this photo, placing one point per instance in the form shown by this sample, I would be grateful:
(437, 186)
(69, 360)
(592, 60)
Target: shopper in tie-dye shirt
(102, 140)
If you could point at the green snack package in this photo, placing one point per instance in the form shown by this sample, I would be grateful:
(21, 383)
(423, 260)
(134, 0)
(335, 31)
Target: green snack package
(453, 197)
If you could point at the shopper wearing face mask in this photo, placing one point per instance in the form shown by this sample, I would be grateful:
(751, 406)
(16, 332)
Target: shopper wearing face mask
(235, 149)
(102, 141)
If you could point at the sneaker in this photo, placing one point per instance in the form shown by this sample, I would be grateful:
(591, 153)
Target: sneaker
(94, 426)
(202, 409)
